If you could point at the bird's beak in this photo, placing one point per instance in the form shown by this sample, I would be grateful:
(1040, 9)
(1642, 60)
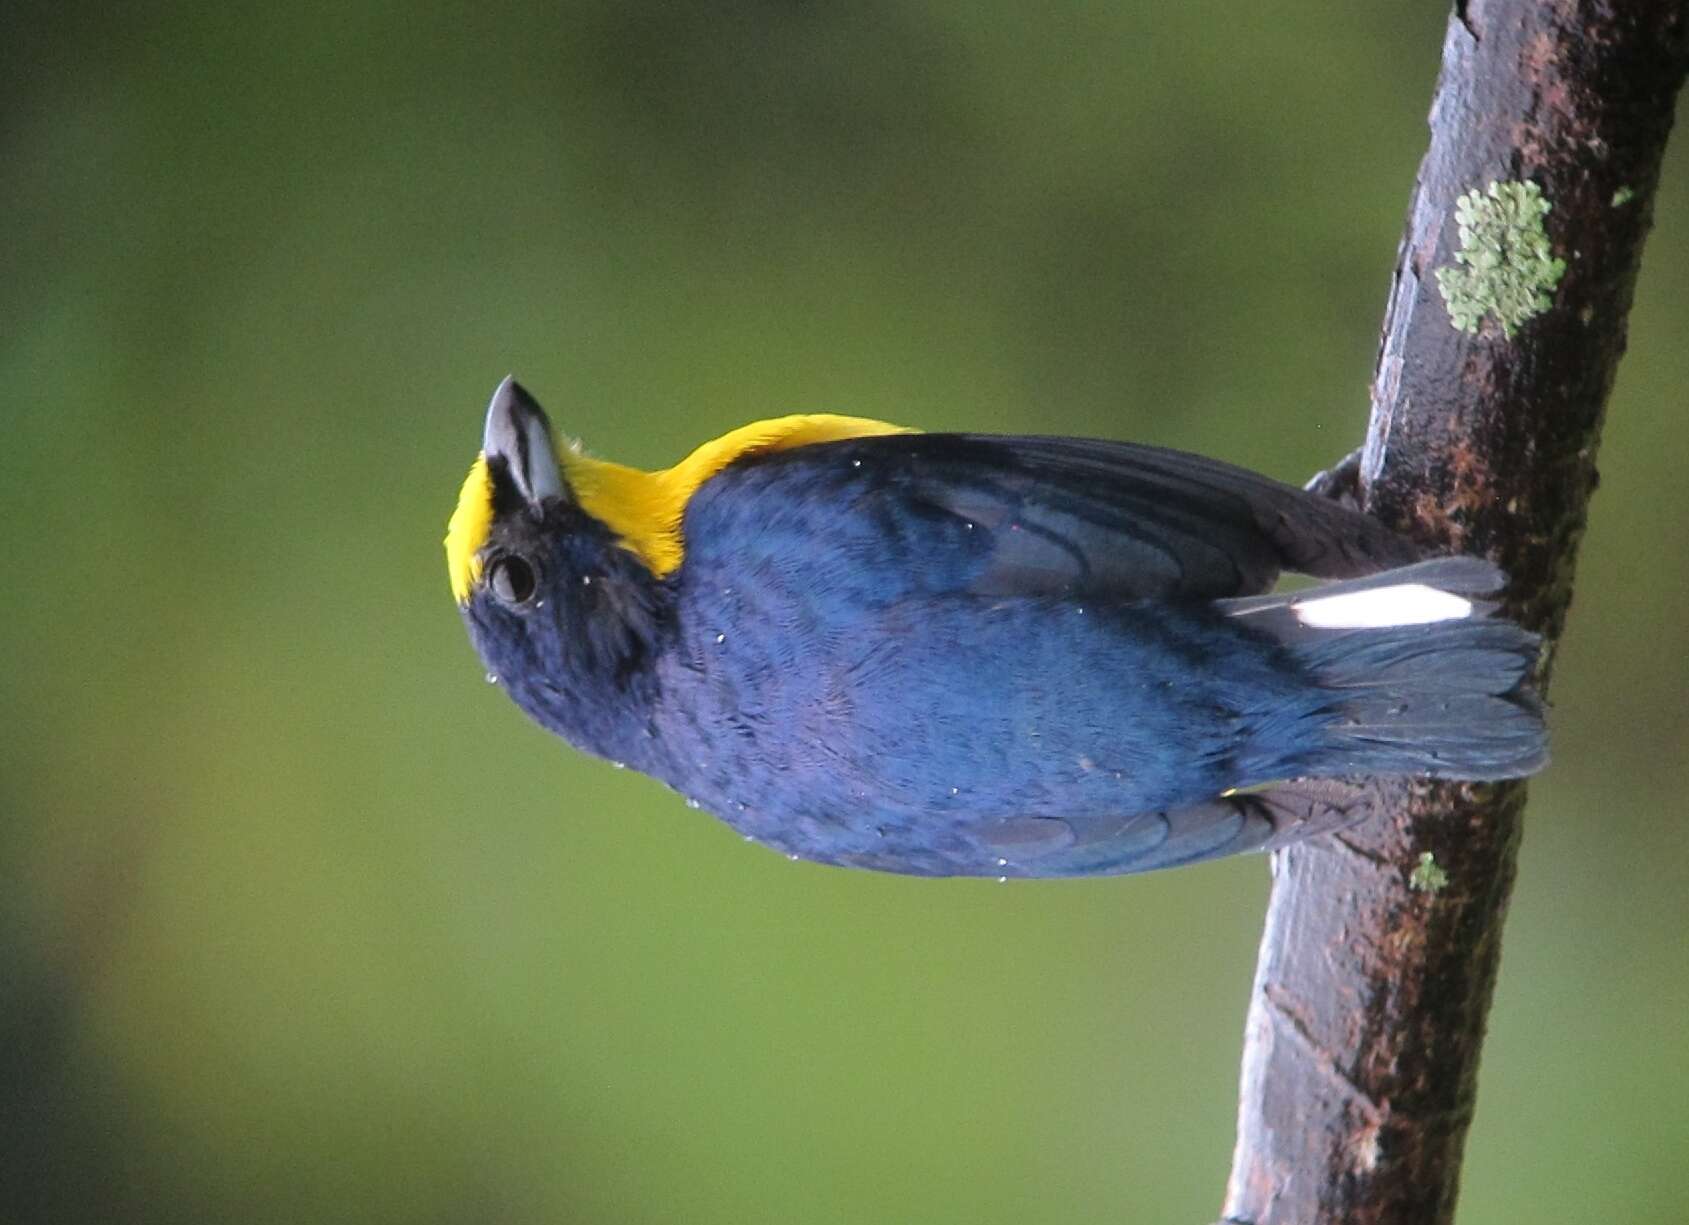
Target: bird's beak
(519, 435)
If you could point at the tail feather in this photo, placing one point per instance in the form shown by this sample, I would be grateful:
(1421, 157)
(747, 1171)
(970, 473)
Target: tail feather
(1444, 690)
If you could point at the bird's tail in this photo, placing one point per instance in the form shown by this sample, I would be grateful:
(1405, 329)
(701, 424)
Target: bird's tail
(1423, 680)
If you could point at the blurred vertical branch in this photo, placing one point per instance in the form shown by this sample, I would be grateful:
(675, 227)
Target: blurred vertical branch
(1367, 1016)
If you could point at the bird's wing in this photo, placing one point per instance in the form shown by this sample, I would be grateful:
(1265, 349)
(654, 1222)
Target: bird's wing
(1259, 820)
(1004, 515)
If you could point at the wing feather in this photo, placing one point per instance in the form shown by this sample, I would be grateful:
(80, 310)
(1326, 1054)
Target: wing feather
(1049, 516)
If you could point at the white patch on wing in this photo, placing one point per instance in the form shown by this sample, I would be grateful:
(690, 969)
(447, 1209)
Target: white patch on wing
(1381, 607)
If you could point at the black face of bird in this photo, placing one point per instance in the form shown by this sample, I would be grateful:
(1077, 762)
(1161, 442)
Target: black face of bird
(509, 608)
(567, 621)
(562, 615)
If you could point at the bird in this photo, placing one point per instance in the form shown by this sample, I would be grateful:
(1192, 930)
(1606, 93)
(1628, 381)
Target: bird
(960, 654)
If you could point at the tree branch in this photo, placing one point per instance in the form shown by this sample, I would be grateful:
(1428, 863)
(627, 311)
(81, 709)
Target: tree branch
(1377, 963)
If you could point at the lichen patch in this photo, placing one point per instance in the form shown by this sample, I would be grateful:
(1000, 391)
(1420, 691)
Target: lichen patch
(1505, 268)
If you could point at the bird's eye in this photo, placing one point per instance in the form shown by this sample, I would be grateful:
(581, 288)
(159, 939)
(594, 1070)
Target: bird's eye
(511, 579)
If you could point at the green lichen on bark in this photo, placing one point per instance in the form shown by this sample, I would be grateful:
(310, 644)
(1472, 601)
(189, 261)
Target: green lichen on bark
(1428, 876)
(1505, 268)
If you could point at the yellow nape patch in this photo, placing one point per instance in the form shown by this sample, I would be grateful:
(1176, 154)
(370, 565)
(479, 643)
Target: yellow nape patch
(467, 532)
(644, 509)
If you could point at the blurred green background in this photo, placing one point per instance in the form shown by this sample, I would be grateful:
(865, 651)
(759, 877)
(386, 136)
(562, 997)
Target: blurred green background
(301, 921)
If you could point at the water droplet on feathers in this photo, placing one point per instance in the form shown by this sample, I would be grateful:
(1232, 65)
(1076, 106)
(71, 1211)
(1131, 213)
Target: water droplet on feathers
(492, 678)
(855, 463)
(692, 803)
(1002, 880)
(620, 765)
(720, 638)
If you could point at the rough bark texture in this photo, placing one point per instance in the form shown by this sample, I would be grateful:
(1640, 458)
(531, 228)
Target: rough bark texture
(1361, 1050)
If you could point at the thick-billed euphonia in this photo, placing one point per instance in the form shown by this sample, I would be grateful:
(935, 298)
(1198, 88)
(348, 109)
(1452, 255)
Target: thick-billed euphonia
(964, 654)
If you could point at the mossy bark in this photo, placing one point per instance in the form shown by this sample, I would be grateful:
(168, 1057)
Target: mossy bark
(1367, 1017)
